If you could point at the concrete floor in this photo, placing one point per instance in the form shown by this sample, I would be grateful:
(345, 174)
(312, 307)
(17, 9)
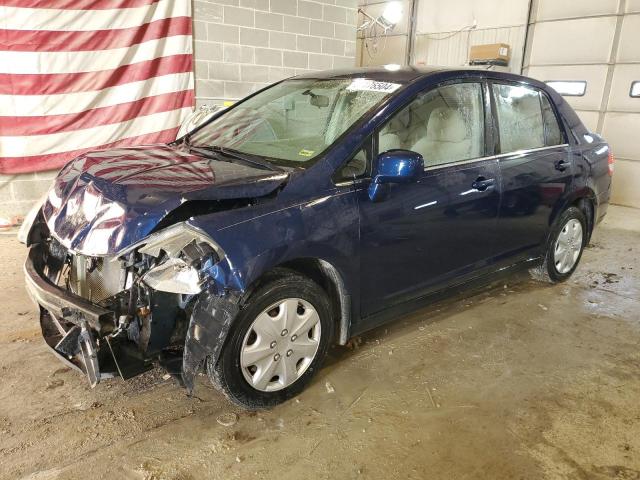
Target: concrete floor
(522, 380)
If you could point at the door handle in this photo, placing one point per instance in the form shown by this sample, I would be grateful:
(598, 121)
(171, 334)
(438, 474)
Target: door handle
(562, 165)
(482, 184)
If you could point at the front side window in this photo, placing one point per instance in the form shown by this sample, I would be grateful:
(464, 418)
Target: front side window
(444, 125)
(356, 167)
(294, 121)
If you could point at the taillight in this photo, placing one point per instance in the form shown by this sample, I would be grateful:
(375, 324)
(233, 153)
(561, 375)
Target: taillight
(610, 163)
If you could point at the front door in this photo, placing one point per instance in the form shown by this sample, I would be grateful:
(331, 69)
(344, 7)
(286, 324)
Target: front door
(426, 235)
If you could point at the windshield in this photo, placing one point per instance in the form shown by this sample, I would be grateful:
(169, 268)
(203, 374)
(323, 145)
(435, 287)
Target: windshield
(295, 120)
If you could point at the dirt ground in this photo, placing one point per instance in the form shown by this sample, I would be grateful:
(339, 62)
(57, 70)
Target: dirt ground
(522, 380)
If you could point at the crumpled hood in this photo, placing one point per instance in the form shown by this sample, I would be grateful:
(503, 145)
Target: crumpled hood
(105, 201)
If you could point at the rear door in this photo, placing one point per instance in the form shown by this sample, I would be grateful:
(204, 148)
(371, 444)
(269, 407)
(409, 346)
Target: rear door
(426, 235)
(535, 167)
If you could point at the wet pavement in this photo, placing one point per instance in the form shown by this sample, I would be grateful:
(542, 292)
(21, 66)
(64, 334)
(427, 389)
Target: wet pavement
(519, 380)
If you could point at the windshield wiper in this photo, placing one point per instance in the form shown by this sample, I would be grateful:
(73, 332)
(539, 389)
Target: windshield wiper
(240, 156)
(247, 158)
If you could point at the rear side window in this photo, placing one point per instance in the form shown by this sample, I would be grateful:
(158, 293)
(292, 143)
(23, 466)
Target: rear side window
(444, 125)
(525, 118)
(519, 118)
(552, 133)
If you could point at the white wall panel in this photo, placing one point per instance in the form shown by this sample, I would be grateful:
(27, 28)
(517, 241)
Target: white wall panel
(625, 189)
(629, 48)
(632, 6)
(555, 9)
(594, 75)
(573, 41)
(590, 119)
(451, 15)
(621, 131)
(619, 99)
(454, 51)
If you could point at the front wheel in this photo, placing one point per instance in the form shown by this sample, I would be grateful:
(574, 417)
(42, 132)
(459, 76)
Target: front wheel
(564, 248)
(276, 344)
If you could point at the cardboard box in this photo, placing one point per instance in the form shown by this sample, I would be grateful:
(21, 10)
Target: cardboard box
(492, 53)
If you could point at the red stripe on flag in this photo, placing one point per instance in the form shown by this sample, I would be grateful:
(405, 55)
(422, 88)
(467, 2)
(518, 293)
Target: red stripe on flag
(77, 4)
(47, 124)
(50, 84)
(66, 41)
(11, 165)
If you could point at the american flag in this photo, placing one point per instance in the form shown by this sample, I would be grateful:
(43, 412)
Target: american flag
(79, 75)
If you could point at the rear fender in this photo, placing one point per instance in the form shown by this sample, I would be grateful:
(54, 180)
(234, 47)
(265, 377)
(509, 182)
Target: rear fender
(583, 194)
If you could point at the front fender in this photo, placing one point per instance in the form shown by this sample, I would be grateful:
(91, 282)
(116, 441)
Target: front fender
(324, 228)
(210, 322)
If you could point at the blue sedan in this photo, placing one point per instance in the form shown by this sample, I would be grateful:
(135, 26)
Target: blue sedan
(309, 212)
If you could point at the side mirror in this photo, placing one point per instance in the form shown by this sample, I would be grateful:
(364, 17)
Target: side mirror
(395, 166)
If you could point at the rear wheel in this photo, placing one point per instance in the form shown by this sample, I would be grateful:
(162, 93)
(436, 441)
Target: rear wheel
(564, 248)
(277, 343)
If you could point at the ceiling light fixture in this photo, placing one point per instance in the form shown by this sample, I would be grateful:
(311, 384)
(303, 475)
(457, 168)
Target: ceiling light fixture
(391, 15)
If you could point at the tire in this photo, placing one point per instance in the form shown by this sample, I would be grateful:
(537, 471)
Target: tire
(274, 297)
(553, 268)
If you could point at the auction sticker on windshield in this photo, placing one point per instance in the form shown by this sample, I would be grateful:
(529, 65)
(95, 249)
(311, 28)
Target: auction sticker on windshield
(362, 84)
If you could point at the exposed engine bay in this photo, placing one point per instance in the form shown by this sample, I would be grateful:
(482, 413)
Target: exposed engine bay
(147, 292)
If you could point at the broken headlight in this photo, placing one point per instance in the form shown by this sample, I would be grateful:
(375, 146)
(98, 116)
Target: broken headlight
(174, 275)
(183, 251)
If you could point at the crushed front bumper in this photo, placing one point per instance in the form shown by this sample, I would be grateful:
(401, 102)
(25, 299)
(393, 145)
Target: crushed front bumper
(85, 336)
(69, 322)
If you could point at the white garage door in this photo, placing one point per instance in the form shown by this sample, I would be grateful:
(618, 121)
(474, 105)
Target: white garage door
(597, 42)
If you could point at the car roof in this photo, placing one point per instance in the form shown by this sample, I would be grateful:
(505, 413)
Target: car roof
(393, 73)
(409, 74)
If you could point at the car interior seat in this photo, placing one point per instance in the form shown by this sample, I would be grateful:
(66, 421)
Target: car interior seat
(447, 137)
(395, 133)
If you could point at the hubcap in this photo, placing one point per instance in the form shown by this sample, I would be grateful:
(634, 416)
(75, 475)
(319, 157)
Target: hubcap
(568, 246)
(280, 344)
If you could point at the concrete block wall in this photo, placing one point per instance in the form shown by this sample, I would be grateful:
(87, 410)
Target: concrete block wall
(19, 192)
(239, 46)
(243, 45)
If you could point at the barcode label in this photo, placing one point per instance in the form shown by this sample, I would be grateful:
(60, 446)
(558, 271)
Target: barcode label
(362, 84)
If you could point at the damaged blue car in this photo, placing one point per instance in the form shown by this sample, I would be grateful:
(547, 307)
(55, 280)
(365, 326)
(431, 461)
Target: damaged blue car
(313, 210)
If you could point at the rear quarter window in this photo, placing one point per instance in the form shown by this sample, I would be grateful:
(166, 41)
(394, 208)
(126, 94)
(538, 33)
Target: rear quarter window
(552, 132)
